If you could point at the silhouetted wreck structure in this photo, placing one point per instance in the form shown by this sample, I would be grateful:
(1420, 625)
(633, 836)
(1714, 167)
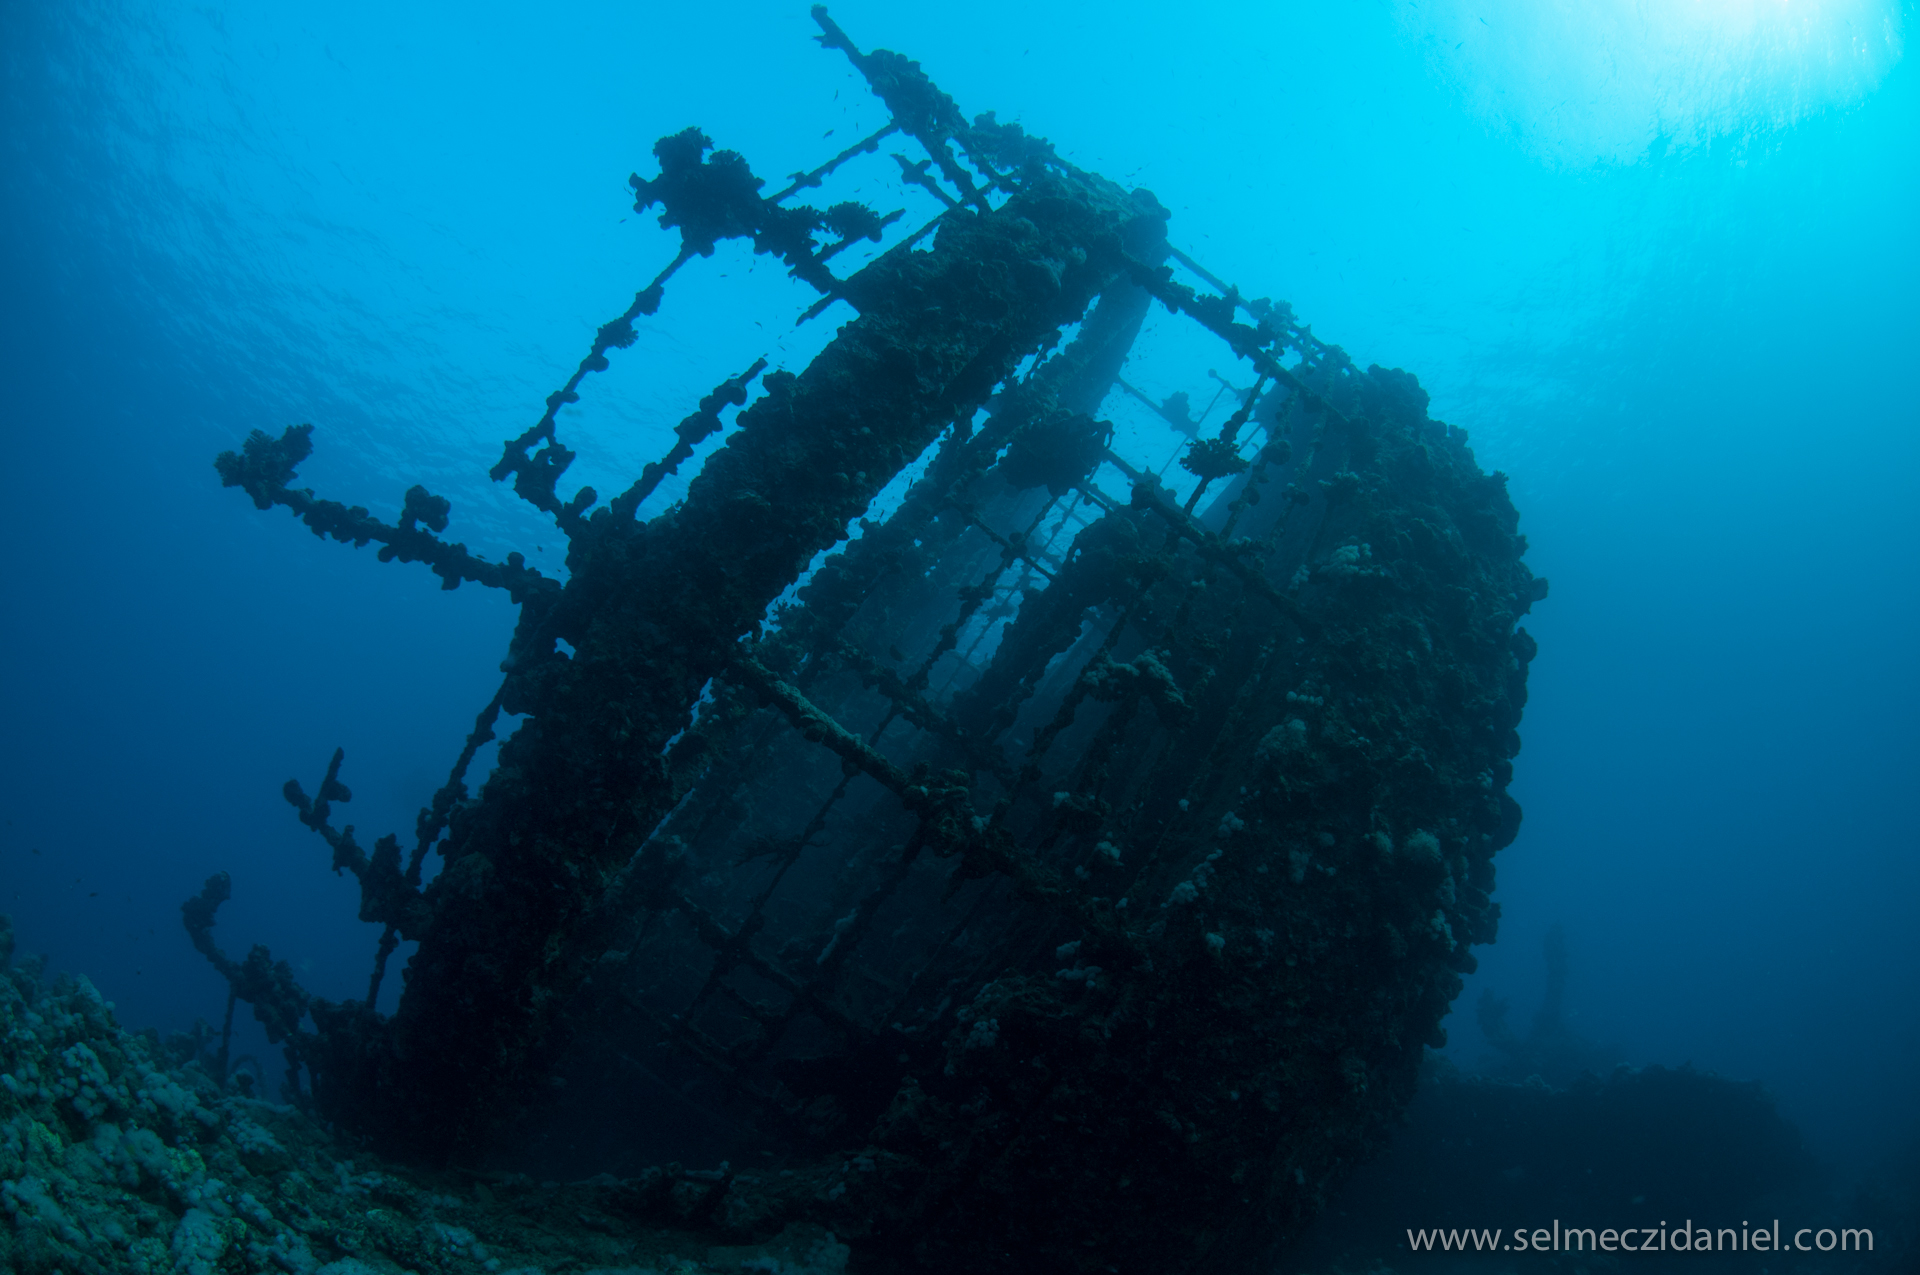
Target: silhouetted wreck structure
(1072, 870)
(1551, 1052)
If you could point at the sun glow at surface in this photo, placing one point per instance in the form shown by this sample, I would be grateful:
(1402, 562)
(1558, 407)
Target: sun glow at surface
(1582, 82)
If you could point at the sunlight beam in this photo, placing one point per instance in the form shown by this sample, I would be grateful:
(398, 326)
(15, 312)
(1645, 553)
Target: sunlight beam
(1613, 81)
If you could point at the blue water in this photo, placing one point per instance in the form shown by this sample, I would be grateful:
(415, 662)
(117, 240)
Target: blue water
(1658, 258)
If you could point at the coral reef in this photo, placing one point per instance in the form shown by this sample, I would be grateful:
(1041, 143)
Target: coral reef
(116, 1156)
(1065, 874)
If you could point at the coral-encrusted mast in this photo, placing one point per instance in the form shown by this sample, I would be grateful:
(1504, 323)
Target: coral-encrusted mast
(1089, 869)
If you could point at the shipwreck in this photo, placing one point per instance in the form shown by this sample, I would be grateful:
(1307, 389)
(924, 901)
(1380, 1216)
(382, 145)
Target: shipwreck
(1025, 842)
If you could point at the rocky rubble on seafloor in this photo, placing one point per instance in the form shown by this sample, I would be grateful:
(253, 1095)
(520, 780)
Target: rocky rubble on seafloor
(115, 1156)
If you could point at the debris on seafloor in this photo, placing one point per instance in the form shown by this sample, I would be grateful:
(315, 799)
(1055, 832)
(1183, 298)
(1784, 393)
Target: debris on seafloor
(1070, 872)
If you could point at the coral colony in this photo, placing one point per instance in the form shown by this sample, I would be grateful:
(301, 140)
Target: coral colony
(1064, 874)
